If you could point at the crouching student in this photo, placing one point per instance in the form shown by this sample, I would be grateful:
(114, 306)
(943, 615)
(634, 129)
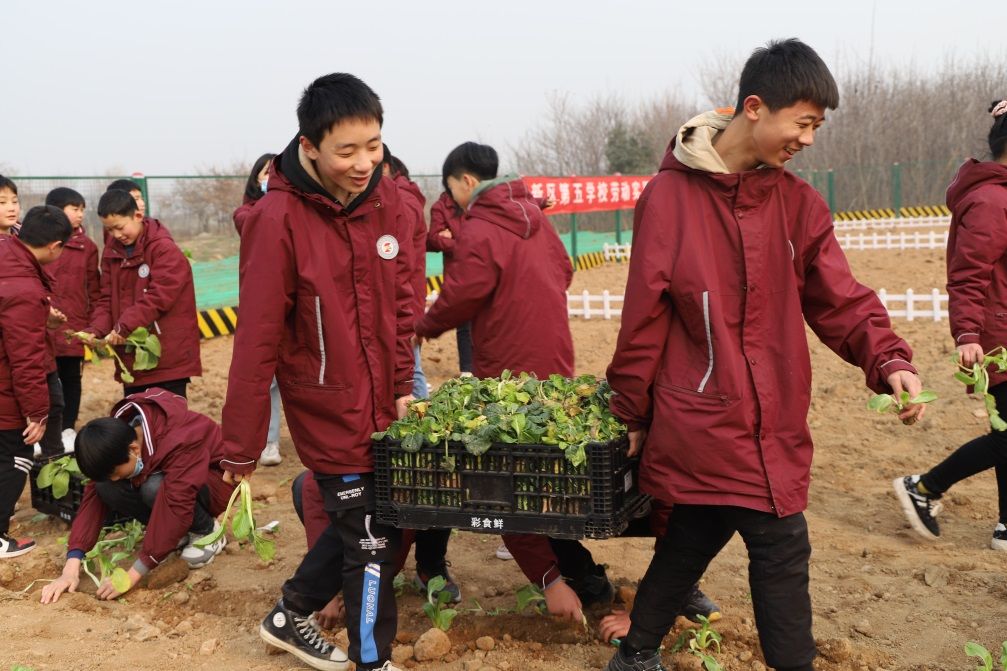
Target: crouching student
(156, 461)
(24, 396)
(146, 281)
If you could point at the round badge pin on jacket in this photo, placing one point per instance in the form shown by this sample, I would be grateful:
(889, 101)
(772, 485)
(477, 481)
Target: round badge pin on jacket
(388, 247)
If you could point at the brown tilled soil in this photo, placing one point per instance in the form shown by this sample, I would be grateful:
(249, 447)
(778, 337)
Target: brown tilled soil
(882, 598)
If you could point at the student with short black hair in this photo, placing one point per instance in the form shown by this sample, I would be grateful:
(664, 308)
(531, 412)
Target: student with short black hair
(327, 307)
(133, 189)
(10, 206)
(154, 460)
(711, 370)
(77, 290)
(146, 281)
(24, 357)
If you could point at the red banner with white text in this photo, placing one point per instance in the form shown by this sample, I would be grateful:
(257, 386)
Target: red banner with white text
(574, 195)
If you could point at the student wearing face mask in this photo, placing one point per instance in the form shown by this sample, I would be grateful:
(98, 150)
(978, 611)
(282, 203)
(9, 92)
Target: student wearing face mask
(156, 461)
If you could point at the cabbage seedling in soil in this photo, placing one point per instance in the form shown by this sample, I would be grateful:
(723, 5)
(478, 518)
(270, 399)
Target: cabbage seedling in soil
(115, 544)
(57, 474)
(978, 377)
(242, 524)
(436, 608)
(973, 649)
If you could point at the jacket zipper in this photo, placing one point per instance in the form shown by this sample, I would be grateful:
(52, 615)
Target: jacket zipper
(321, 339)
(709, 341)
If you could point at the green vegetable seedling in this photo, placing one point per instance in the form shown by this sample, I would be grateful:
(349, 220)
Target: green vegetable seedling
(436, 608)
(701, 643)
(145, 346)
(973, 649)
(115, 544)
(242, 524)
(978, 377)
(57, 474)
(890, 403)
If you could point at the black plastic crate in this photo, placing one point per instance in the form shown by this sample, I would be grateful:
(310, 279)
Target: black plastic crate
(509, 489)
(65, 508)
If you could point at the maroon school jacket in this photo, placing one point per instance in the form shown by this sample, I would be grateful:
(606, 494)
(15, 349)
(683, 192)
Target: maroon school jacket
(183, 445)
(326, 302)
(509, 277)
(151, 288)
(416, 202)
(445, 215)
(24, 352)
(77, 290)
(241, 214)
(977, 257)
(712, 352)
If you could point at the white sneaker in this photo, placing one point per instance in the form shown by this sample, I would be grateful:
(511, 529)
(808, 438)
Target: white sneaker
(270, 455)
(999, 541)
(503, 553)
(69, 436)
(197, 557)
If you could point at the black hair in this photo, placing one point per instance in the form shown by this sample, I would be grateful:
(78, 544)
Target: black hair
(998, 133)
(479, 160)
(253, 189)
(333, 98)
(126, 185)
(395, 165)
(44, 225)
(785, 72)
(102, 445)
(7, 183)
(63, 196)
(117, 202)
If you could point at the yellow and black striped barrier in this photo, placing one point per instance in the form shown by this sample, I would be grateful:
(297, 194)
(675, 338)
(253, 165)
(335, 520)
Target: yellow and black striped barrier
(889, 213)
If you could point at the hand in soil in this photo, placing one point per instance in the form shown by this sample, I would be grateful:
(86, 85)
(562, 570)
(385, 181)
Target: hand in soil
(65, 583)
(561, 600)
(615, 625)
(333, 616)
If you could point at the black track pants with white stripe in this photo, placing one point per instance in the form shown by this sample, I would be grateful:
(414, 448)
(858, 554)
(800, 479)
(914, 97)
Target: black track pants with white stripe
(15, 463)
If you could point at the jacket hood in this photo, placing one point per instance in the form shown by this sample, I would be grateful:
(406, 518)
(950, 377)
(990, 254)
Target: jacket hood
(505, 202)
(299, 174)
(693, 146)
(157, 409)
(20, 262)
(972, 175)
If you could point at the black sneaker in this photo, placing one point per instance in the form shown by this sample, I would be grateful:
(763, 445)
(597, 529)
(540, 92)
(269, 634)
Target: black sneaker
(594, 588)
(645, 660)
(423, 576)
(700, 604)
(999, 541)
(15, 547)
(301, 636)
(920, 509)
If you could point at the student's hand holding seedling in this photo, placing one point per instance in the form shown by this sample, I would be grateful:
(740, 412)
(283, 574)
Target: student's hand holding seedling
(970, 354)
(113, 338)
(112, 588)
(906, 381)
(561, 600)
(402, 405)
(68, 581)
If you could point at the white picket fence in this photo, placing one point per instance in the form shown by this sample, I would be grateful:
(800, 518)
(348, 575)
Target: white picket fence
(613, 252)
(893, 222)
(892, 240)
(584, 305)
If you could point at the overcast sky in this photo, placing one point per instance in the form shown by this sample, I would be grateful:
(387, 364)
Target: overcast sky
(173, 87)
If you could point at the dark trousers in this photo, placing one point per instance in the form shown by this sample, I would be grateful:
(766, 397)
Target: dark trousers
(15, 464)
(138, 502)
(357, 555)
(976, 456)
(463, 334)
(52, 439)
(778, 554)
(176, 387)
(70, 370)
(574, 561)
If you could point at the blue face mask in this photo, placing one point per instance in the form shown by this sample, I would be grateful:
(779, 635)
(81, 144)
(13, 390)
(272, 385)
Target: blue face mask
(262, 185)
(138, 468)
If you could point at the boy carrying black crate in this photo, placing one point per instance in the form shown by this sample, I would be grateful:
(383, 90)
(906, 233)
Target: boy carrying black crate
(732, 254)
(24, 355)
(327, 306)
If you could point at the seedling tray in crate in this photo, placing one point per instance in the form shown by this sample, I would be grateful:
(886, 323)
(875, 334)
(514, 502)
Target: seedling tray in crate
(508, 489)
(66, 507)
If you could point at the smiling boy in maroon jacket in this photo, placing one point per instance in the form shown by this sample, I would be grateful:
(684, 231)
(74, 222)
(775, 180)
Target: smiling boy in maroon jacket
(156, 461)
(712, 373)
(146, 281)
(24, 357)
(327, 306)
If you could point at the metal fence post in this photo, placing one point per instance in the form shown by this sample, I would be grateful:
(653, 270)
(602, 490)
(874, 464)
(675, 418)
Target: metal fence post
(832, 191)
(141, 179)
(897, 189)
(618, 227)
(573, 239)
